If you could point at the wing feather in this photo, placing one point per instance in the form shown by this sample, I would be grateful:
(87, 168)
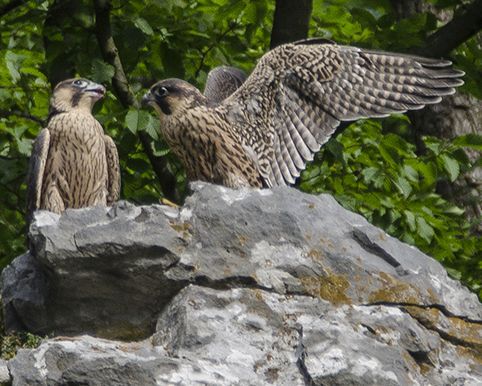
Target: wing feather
(113, 171)
(298, 126)
(222, 81)
(306, 89)
(282, 161)
(275, 177)
(289, 156)
(36, 170)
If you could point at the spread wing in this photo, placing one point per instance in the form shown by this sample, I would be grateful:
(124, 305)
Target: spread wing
(36, 171)
(222, 81)
(113, 171)
(299, 93)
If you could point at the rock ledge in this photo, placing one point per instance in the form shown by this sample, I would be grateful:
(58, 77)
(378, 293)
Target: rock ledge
(236, 287)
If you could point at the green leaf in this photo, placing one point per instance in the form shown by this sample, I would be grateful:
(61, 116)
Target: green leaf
(149, 124)
(403, 186)
(455, 210)
(425, 231)
(387, 153)
(161, 152)
(138, 164)
(230, 9)
(132, 121)
(144, 26)
(24, 146)
(432, 144)
(369, 173)
(33, 71)
(428, 172)
(12, 62)
(141, 120)
(410, 217)
(101, 71)
(410, 173)
(335, 148)
(451, 166)
(455, 274)
(474, 141)
(395, 142)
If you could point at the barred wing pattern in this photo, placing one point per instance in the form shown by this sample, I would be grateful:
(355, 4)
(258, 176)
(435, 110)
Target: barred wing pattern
(36, 170)
(299, 93)
(113, 171)
(221, 82)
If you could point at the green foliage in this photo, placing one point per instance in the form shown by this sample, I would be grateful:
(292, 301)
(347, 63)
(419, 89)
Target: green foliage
(23, 93)
(376, 174)
(9, 344)
(370, 23)
(469, 58)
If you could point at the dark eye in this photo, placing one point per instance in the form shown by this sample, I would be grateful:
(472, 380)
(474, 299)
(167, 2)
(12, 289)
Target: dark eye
(162, 91)
(79, 83)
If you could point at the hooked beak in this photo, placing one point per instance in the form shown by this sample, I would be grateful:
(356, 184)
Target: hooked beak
(96, 90)
(147, 99)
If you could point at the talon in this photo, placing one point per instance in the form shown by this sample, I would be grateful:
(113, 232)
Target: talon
(165, 201)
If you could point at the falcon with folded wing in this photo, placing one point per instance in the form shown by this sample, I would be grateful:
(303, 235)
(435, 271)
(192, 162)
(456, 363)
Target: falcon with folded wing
(73, 163)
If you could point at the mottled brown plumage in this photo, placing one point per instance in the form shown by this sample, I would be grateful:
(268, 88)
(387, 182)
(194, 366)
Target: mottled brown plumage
(73, 163)
(221, 82)
(265, 132)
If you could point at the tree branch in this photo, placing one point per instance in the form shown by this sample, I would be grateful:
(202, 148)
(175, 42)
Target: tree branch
(205, 52)
(8, 113)
(6, 8)
(124, 93)
(291, 21)
(463, 26)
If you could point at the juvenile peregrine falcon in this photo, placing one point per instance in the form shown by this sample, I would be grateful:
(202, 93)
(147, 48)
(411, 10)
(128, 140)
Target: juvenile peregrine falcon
(73, 163)
(265, 132)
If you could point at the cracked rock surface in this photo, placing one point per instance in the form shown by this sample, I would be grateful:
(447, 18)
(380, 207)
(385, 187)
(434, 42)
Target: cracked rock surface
(243, 287)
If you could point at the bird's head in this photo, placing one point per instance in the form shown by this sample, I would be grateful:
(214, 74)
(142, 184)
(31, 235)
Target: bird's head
(76, 93)
(173, 96)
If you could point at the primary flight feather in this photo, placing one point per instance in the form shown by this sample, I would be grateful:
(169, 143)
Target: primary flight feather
(263, 134)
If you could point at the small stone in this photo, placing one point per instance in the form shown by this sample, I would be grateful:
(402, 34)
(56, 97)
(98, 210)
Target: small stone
(5, 378)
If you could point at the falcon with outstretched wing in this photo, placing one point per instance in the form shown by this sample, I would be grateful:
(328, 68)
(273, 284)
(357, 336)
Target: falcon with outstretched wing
(73, 163)
(264, 133)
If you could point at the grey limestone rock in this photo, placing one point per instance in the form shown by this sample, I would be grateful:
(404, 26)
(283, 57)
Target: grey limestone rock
(246, 287)
(4, 373)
